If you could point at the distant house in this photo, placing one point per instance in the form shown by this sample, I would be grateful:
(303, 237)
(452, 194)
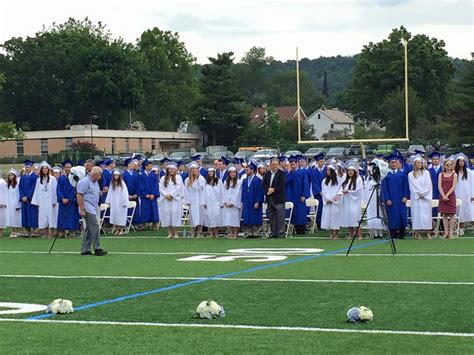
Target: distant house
(330, 122)
(285, 113)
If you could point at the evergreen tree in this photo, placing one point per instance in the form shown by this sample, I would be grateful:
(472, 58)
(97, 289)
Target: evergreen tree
(325, 85)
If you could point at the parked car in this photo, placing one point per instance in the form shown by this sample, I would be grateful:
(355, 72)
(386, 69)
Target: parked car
(311, 152)
(243, 154)
(384, 148)
(180, 155)
(157, 157)
(292, 152)
(263, 154)
(336, 152)
(218, 155)
(205, 157)
(355, 149)
(412, 148)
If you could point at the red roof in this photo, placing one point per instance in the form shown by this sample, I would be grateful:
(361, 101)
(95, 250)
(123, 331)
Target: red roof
(284, 112)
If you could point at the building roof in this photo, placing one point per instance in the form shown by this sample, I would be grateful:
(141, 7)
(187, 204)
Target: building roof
(285, 113)
(336, 115)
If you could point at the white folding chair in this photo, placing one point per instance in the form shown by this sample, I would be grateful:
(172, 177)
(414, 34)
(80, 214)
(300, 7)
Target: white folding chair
(363, 207)
(266, 220)
(436, 219)
(456, 216)
(288, 206)
(312, 202)
(104, 208)
(132, 205)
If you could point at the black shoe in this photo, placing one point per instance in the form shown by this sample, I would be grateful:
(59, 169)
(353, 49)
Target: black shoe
(86, 253)
(100, 252)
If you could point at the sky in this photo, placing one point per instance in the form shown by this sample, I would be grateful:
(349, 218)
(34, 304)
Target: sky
(317, 28)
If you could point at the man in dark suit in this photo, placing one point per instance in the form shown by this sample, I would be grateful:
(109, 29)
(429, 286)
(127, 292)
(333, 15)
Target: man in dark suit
(274, 189)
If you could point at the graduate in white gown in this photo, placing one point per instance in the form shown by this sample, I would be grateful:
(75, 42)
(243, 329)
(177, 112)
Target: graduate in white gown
(117, 199)
(3, 204)
(13, 204)
(331, 217)
(171, 200)
(352, 189)
(193, 194)
(212, 203)
(46, 199)
(464, 190)
(421, 194)
(232, 202)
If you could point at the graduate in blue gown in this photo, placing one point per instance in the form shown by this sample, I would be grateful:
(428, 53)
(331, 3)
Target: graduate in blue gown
(252, 200)
(29, 212)
(108, 167)
(197, 158)
(297, 191)
(163, 163)
(68, 212)
(131, 179)
(222, 174)
(435, 170)
(182, 170)
(395, 193)
(317, 174)
(148, 191)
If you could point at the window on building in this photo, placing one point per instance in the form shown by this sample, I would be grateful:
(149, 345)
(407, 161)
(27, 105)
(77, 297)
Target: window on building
(140, 144)
(332, 125)
(127, 145)
(113, 145)
(153, 144)
(319, 116)
(44, 146)
(68, 143)
(20, 150)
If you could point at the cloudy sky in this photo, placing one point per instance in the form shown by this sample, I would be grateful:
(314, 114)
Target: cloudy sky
(318, 28)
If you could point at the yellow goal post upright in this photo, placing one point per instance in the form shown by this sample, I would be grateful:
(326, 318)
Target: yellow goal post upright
(354, 141)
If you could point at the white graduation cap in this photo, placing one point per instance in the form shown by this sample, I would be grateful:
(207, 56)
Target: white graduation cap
(43, 164)
(14, 171)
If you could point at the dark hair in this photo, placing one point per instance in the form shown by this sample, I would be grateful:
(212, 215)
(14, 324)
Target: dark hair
(463, 169)
(12, 183)
(116, 183)
(331, 178)
(212, 180)
(42, 175)
(351, 181)
(231, 179)
(168, 177)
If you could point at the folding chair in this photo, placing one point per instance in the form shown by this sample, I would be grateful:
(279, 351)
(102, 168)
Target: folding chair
(104, 208)
(185, 219)
(312, 202)
(288, 206)
(266, 221)
(456, 216)
(131, 205)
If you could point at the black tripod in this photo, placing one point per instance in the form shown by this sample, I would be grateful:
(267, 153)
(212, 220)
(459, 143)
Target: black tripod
(383, 217)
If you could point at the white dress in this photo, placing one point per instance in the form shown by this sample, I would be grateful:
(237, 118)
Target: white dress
(331, 216)
(171, 212)
(212, 198)
(46, 199)
(421, 213)
(117, 199)
(3, 203)
(373, 222)
(193, 197)
(465, 191)
(351, 204)
(232, 195)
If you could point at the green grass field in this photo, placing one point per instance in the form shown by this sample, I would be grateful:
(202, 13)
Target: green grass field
(421, 298)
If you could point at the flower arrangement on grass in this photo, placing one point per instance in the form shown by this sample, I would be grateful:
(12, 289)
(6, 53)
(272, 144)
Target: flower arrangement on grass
(60, 306)
(360, 314)
(209, 310)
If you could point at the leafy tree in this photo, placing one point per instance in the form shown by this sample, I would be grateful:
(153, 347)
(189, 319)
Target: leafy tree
(380, 71)
(220, 111)
(8, 130)
(169, 80)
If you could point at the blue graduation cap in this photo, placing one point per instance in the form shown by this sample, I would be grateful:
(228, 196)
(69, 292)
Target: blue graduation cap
(379, 155)
(397, 153)
(137, 156)
(145, 163)
(81, 162)
(127, 161)
(28, 162)
(252, 165)
(237, 161)
(300, 157)
(471, 156)
(435, 155)
(165, 160)
(99, 163)
(319, 156)
(392, 157)
(179, 163)
(107, 162)
(420, 152)
(196, 157)
(67, 161)
(292, 159)
(225, 160)
(281, 158)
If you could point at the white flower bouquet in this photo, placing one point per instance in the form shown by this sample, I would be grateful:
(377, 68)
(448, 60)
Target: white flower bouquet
(60, 306)
(209, 310)
(360, 314)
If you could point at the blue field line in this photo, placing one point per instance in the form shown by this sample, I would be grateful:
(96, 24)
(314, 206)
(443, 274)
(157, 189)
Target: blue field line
(210, 278)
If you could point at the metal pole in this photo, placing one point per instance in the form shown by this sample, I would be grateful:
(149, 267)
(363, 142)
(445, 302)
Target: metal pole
(298, 94)
(405, 44)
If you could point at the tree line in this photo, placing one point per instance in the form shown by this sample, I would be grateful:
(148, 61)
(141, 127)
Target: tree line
(73, 72)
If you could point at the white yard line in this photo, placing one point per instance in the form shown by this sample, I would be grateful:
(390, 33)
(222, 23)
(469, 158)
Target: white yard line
(114, 277)
(227, 253)
(246, 327)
